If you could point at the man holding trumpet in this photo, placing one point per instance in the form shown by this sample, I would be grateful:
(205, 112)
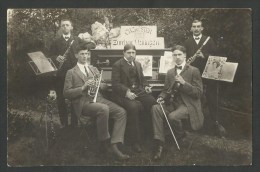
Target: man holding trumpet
(80, 82)
(183, 85)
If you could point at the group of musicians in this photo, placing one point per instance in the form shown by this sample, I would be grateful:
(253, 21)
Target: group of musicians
(132, 105)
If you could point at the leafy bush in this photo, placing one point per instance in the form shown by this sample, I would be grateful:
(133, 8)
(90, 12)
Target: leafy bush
(19, 123)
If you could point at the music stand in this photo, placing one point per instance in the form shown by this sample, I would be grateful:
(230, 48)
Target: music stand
(218, 69)
(41, 65)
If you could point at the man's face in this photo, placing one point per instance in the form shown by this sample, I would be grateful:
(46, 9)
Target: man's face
(83, 57)
(129, 54)
(66, 27)
(178, 56)
(196, 28)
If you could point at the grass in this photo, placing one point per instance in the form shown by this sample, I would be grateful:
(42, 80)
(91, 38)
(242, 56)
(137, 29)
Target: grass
(71, 147)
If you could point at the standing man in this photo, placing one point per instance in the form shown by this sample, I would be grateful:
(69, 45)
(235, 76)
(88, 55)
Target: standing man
(78, 83)
(210, 86)
(57, 50)
(184, 104)
(131, 91)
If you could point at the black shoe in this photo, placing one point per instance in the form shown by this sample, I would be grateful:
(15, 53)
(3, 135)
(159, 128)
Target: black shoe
(137, 148)
(119, 155)
(220, 130)
(158, 153)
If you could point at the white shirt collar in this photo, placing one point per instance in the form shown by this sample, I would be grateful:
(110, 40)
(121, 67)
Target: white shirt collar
(197, 40)
(129, 62)
(183, 64)
(66, 35)
(197, 36)
(81, 67)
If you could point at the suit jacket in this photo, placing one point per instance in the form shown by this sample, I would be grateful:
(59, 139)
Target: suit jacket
(74, 80)
(59, 47)
(209, 49)
(121, 78)
(190, 92)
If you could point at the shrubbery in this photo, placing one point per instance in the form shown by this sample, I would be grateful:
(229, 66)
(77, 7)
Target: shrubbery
(19, 123)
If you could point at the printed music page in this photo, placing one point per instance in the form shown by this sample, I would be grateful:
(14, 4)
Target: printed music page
(41, 62)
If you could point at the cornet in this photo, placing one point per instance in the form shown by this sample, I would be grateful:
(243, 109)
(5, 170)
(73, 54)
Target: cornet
(94, 85)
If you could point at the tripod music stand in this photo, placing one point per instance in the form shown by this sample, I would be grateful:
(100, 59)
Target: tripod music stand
(41, 65)
(218, 69)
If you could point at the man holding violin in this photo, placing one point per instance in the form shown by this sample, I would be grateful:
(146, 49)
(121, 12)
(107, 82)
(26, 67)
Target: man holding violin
(181, 94)
(80, 82)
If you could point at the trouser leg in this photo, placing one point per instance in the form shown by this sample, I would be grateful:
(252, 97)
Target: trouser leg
(101, 112)
(118, 114)
(62, 106)
(158, 122)
(176, 116)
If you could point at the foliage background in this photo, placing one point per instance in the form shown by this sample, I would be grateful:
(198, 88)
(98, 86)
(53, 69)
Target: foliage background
(34, 29)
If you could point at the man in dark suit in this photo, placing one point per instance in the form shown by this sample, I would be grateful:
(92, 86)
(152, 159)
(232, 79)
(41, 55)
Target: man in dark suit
(57, 50)
(184, 104)
(78, 84)
(131, 91)
(210, 86)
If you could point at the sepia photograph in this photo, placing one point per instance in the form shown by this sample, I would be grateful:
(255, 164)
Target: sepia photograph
(129, 87)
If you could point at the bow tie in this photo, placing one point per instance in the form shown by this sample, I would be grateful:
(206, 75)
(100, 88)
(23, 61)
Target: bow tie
(197, 38)
(179, 67)
(67, 37)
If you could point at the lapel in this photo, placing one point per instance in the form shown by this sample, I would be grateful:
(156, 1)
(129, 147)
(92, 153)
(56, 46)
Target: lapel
(203, 38)
(80, 74)
(184, 70)
(125, 67)
(138, 71)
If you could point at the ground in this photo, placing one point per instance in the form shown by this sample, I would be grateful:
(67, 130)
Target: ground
(78, 146)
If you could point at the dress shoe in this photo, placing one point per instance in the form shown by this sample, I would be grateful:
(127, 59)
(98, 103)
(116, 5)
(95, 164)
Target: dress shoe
(158, 153)
(221, 131)
(119, 155)
(137, 148)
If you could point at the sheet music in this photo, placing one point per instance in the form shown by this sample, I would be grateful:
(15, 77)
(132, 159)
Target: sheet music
(218, 69)
(166, 62)
(41, 62)
(147, 64)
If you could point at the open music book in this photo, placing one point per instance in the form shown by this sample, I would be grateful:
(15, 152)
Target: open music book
(40, 64)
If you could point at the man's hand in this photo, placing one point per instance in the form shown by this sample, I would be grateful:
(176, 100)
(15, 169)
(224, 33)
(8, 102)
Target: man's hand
(60, 59)
(89, 83)
(148, 89)
(200, 54)
(130, 95)
(160, 100)
(178, 78)
(103, 86)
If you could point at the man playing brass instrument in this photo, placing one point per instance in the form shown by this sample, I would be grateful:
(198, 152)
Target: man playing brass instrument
(78, 87)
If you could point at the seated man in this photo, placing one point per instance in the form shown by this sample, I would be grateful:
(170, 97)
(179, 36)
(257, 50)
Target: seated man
(184, 85)
(78, 83)
(132, 91)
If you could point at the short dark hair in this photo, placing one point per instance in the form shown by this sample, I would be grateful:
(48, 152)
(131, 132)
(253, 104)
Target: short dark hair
(129, 46)
(67, 20)
(180, 48)
(83, 46)
(197, 21)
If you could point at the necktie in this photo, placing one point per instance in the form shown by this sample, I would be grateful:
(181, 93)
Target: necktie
(130, 63)
(179, 67)
(86, 71)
